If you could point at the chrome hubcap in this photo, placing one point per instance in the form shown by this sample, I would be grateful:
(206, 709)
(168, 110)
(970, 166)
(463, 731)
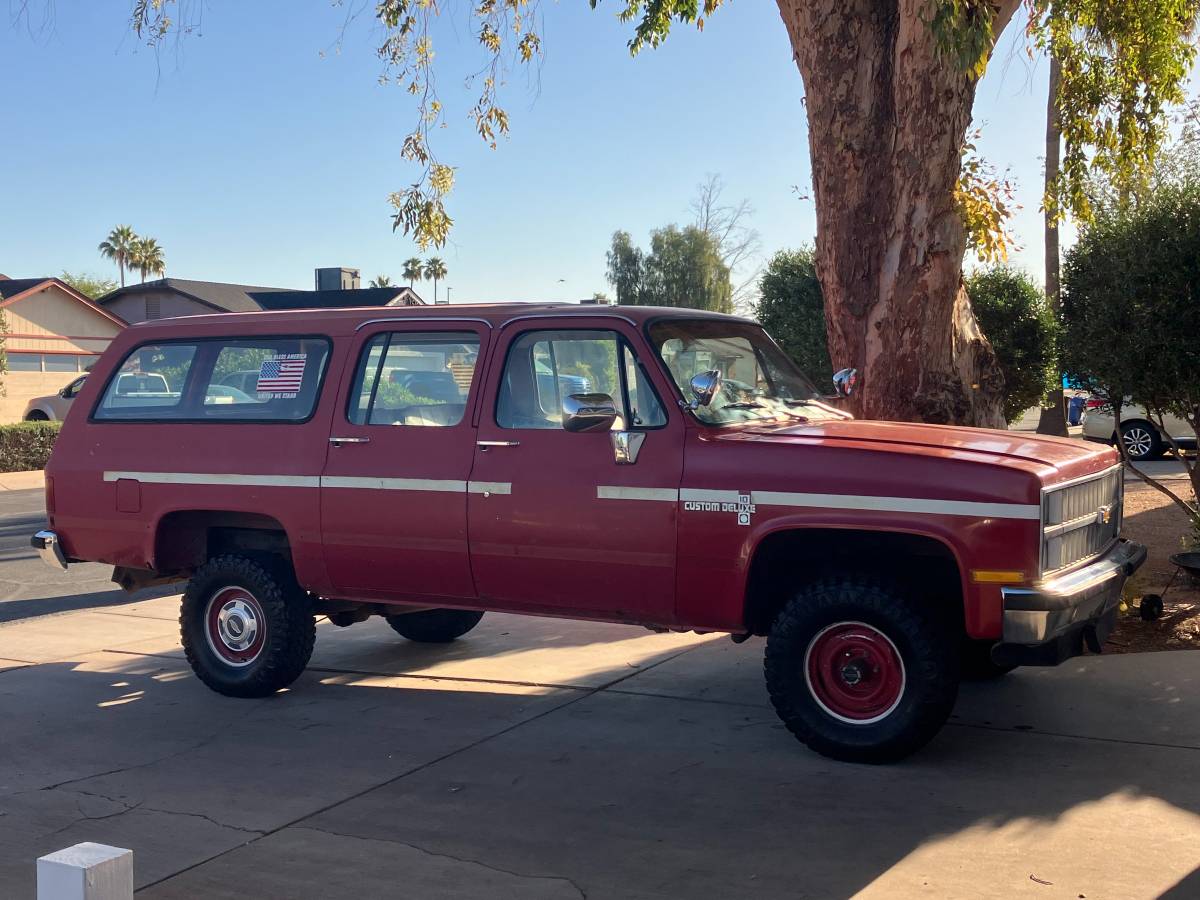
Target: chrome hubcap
(235, 626)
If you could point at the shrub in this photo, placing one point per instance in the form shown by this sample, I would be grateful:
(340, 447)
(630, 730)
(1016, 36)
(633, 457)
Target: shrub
(26, 445)
(1012, 311)
(1131, 310)
(792, 309)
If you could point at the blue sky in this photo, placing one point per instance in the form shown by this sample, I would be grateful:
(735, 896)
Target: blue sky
(253, 158)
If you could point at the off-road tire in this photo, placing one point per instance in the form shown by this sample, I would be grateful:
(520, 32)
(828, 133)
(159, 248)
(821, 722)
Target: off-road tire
(435, 626)
(37, 415)
(976, 662)
(921, 635)
(290, 629)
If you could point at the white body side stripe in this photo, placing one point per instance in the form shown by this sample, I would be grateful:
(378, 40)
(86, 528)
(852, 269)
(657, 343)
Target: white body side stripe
(900, 504)
(304, 481)
(393, 484)
(312, 481)
(616, 492)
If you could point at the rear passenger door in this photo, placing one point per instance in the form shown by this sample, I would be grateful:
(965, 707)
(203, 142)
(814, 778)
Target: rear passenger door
(394, 488)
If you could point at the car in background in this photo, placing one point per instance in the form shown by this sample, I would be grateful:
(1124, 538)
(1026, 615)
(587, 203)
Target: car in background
(54, 407)
(245, 381)
(1143, 439)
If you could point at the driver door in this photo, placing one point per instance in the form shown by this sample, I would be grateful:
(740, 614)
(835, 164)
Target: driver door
(557, 523)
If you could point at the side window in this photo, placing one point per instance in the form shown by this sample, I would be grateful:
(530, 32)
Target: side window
(543, 367)
(248, 379)
(149, 384)
(414, 379)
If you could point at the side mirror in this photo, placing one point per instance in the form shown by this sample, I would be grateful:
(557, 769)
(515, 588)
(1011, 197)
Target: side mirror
(588, 412)
(704, 387)
(845, 381)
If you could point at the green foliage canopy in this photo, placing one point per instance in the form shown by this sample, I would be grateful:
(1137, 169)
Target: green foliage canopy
(1013, 312)
(792, 310)
(682, 268)
(92, 286)
(1131, 310)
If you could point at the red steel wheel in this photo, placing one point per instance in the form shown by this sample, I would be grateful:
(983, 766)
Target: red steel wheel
(235, 626)
(854, 672)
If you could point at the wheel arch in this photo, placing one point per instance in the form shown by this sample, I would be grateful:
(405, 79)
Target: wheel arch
(820, 549)
(184, 539)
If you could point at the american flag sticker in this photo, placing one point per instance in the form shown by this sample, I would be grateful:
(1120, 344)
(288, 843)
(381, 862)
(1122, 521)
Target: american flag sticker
(281, 375)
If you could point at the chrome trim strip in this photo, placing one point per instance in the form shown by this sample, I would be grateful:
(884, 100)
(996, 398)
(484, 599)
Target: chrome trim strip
(1050, 488)
(619, 492)
(362, 325)
(394, 484)
(306, 481)
(1032, 512)
(605, 315)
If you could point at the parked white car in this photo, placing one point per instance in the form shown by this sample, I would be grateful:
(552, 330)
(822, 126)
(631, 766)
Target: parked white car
(53, 408)
(1143, 438)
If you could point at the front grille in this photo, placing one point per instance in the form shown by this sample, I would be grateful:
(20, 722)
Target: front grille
(1081, 520)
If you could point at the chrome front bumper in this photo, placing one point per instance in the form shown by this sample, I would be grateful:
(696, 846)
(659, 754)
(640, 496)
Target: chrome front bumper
(1050, 622)
(47, 545)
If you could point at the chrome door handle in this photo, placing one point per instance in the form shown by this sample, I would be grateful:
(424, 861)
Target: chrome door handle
(486, 444)
(336, 441)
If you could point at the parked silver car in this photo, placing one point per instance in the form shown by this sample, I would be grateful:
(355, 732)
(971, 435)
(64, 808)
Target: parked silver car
(1143, 438)
(53, 408)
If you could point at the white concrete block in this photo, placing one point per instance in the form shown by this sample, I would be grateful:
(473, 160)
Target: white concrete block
(86, 872)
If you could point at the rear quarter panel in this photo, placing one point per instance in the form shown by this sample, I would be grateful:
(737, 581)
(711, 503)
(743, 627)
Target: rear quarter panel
(89, 454)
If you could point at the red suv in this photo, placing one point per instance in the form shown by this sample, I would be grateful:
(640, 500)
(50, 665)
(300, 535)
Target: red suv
(428, 465)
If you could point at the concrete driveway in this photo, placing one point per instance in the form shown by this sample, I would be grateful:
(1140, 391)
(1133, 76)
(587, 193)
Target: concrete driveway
(541, 758)
(538, 758)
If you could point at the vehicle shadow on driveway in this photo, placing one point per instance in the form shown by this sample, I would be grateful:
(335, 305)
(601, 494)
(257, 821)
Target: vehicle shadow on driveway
(672, 779)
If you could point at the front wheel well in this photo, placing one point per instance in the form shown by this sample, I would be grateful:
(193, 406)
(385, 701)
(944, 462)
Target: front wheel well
(786, 559)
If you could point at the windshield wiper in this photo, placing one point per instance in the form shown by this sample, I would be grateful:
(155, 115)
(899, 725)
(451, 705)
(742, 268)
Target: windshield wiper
(743, 404)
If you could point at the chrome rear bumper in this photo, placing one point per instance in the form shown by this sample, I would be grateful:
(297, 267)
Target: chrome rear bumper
(1050, 622)
(48, 547)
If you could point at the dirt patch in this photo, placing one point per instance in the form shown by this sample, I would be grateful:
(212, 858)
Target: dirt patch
(1153, 520)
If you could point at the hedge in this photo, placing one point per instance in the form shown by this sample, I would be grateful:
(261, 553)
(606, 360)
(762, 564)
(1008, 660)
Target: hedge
(27, 445)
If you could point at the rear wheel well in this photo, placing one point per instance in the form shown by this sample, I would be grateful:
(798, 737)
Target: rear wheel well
(786, 559)
(186, 539)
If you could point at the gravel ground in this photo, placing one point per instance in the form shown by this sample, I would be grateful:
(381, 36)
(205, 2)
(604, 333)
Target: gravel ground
(1153, 520)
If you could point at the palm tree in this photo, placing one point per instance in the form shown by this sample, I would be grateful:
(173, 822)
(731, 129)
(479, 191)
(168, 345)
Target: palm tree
(413, 269)
(147, 257)
(381, 281)
(118, 247)
(435, 270)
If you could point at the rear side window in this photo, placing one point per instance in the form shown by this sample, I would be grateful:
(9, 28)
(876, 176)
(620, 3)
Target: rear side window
(414, 379)
(225, 379)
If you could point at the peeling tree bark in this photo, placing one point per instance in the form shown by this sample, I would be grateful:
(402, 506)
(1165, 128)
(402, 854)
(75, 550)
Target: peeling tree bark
(887, 117)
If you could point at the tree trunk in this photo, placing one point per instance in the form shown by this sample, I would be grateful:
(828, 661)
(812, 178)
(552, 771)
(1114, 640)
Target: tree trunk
(1053, 419)
(887, 115)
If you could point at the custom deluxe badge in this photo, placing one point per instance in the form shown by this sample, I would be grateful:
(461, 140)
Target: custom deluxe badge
(742, 507)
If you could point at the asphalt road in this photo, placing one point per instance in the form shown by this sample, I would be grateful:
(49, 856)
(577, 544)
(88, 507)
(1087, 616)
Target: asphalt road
(30, 588)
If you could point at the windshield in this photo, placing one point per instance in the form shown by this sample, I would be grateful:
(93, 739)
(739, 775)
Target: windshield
(758, 382)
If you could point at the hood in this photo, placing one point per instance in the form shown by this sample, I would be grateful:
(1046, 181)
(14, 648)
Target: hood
(1054, 458)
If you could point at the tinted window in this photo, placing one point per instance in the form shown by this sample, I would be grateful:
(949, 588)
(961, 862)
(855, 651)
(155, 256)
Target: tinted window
(279, 377)
(414, 379)
(543, 367)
